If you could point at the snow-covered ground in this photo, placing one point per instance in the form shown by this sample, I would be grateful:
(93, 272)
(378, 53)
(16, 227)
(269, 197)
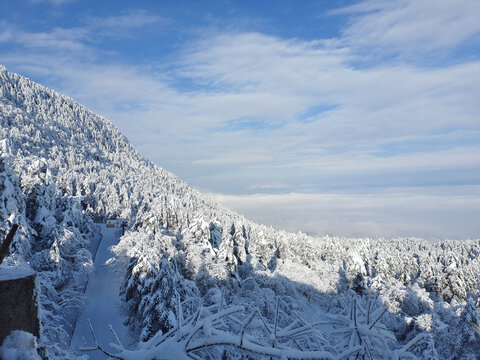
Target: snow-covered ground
(104, 304)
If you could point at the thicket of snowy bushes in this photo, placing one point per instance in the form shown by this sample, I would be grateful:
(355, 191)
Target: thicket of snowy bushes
(61, 165)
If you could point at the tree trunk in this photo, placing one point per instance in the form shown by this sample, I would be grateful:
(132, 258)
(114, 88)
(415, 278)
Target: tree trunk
(7, 242)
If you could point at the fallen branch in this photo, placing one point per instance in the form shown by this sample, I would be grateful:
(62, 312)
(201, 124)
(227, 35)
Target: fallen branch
(199, 332)
(97, 345)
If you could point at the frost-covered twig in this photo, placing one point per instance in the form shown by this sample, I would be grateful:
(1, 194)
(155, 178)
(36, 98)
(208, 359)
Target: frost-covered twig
(276, 324)
(97, 345)
(362, 327)
(179, 311)
(117, 339)
(245, 324)
(309, 327)
(413, 342)
(372, 324)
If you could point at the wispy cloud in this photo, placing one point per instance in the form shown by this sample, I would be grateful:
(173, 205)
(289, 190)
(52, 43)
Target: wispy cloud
(5, 36)
(244, 157)
(79, 39)
(53, 2)
(132, 19)
(409, 25)
(457, 157)
(57, 39)
(122, 25)
(268, 186)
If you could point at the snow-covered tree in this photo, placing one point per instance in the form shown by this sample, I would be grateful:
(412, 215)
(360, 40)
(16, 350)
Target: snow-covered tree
(468, 337)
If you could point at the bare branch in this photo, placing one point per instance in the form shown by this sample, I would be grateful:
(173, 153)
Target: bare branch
(98, 347)
(270, 351)
(245, 324)
(194, 357)
(88, 348)
(414, 341)
(276, 319)
(117, 339)
(179, 311)
(378, 318)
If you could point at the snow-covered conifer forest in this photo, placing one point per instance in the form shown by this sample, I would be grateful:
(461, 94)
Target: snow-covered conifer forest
(201, 281)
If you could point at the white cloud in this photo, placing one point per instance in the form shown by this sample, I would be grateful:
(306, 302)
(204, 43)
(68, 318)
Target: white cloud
(233, 159)
(5, 35)
(353, 162)
(256, 66)
(410, 25)
(434, 213)
(267, 186)
(70, 40)
(132, 19)
(53, 2)
(120, 26)
(79, 40)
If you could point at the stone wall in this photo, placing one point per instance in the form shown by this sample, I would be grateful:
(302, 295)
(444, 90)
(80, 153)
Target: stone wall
(18, 306)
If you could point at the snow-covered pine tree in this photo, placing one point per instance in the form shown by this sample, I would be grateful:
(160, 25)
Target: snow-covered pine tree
(467, 345)
(12, 203)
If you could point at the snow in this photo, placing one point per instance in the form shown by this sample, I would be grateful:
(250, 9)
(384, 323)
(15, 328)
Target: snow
(12, 273)
(19, 345)
(4, 148)
(104, 304)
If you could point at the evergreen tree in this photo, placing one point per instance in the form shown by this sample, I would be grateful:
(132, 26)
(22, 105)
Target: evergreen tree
(468, 338)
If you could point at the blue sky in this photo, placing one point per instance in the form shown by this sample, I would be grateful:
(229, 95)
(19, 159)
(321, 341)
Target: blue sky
(332, 117)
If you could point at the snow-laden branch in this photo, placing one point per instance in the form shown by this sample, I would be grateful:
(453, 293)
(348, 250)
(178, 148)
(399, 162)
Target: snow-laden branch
(360, 325)
(98, 346)
(363, 333)
(206, 330)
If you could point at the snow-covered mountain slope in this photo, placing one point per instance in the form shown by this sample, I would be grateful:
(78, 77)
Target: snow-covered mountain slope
(61, 166)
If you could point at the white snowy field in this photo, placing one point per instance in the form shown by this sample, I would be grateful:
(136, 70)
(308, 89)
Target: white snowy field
(103, 302)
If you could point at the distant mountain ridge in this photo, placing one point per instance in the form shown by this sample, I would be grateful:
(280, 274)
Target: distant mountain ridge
(179, 241)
